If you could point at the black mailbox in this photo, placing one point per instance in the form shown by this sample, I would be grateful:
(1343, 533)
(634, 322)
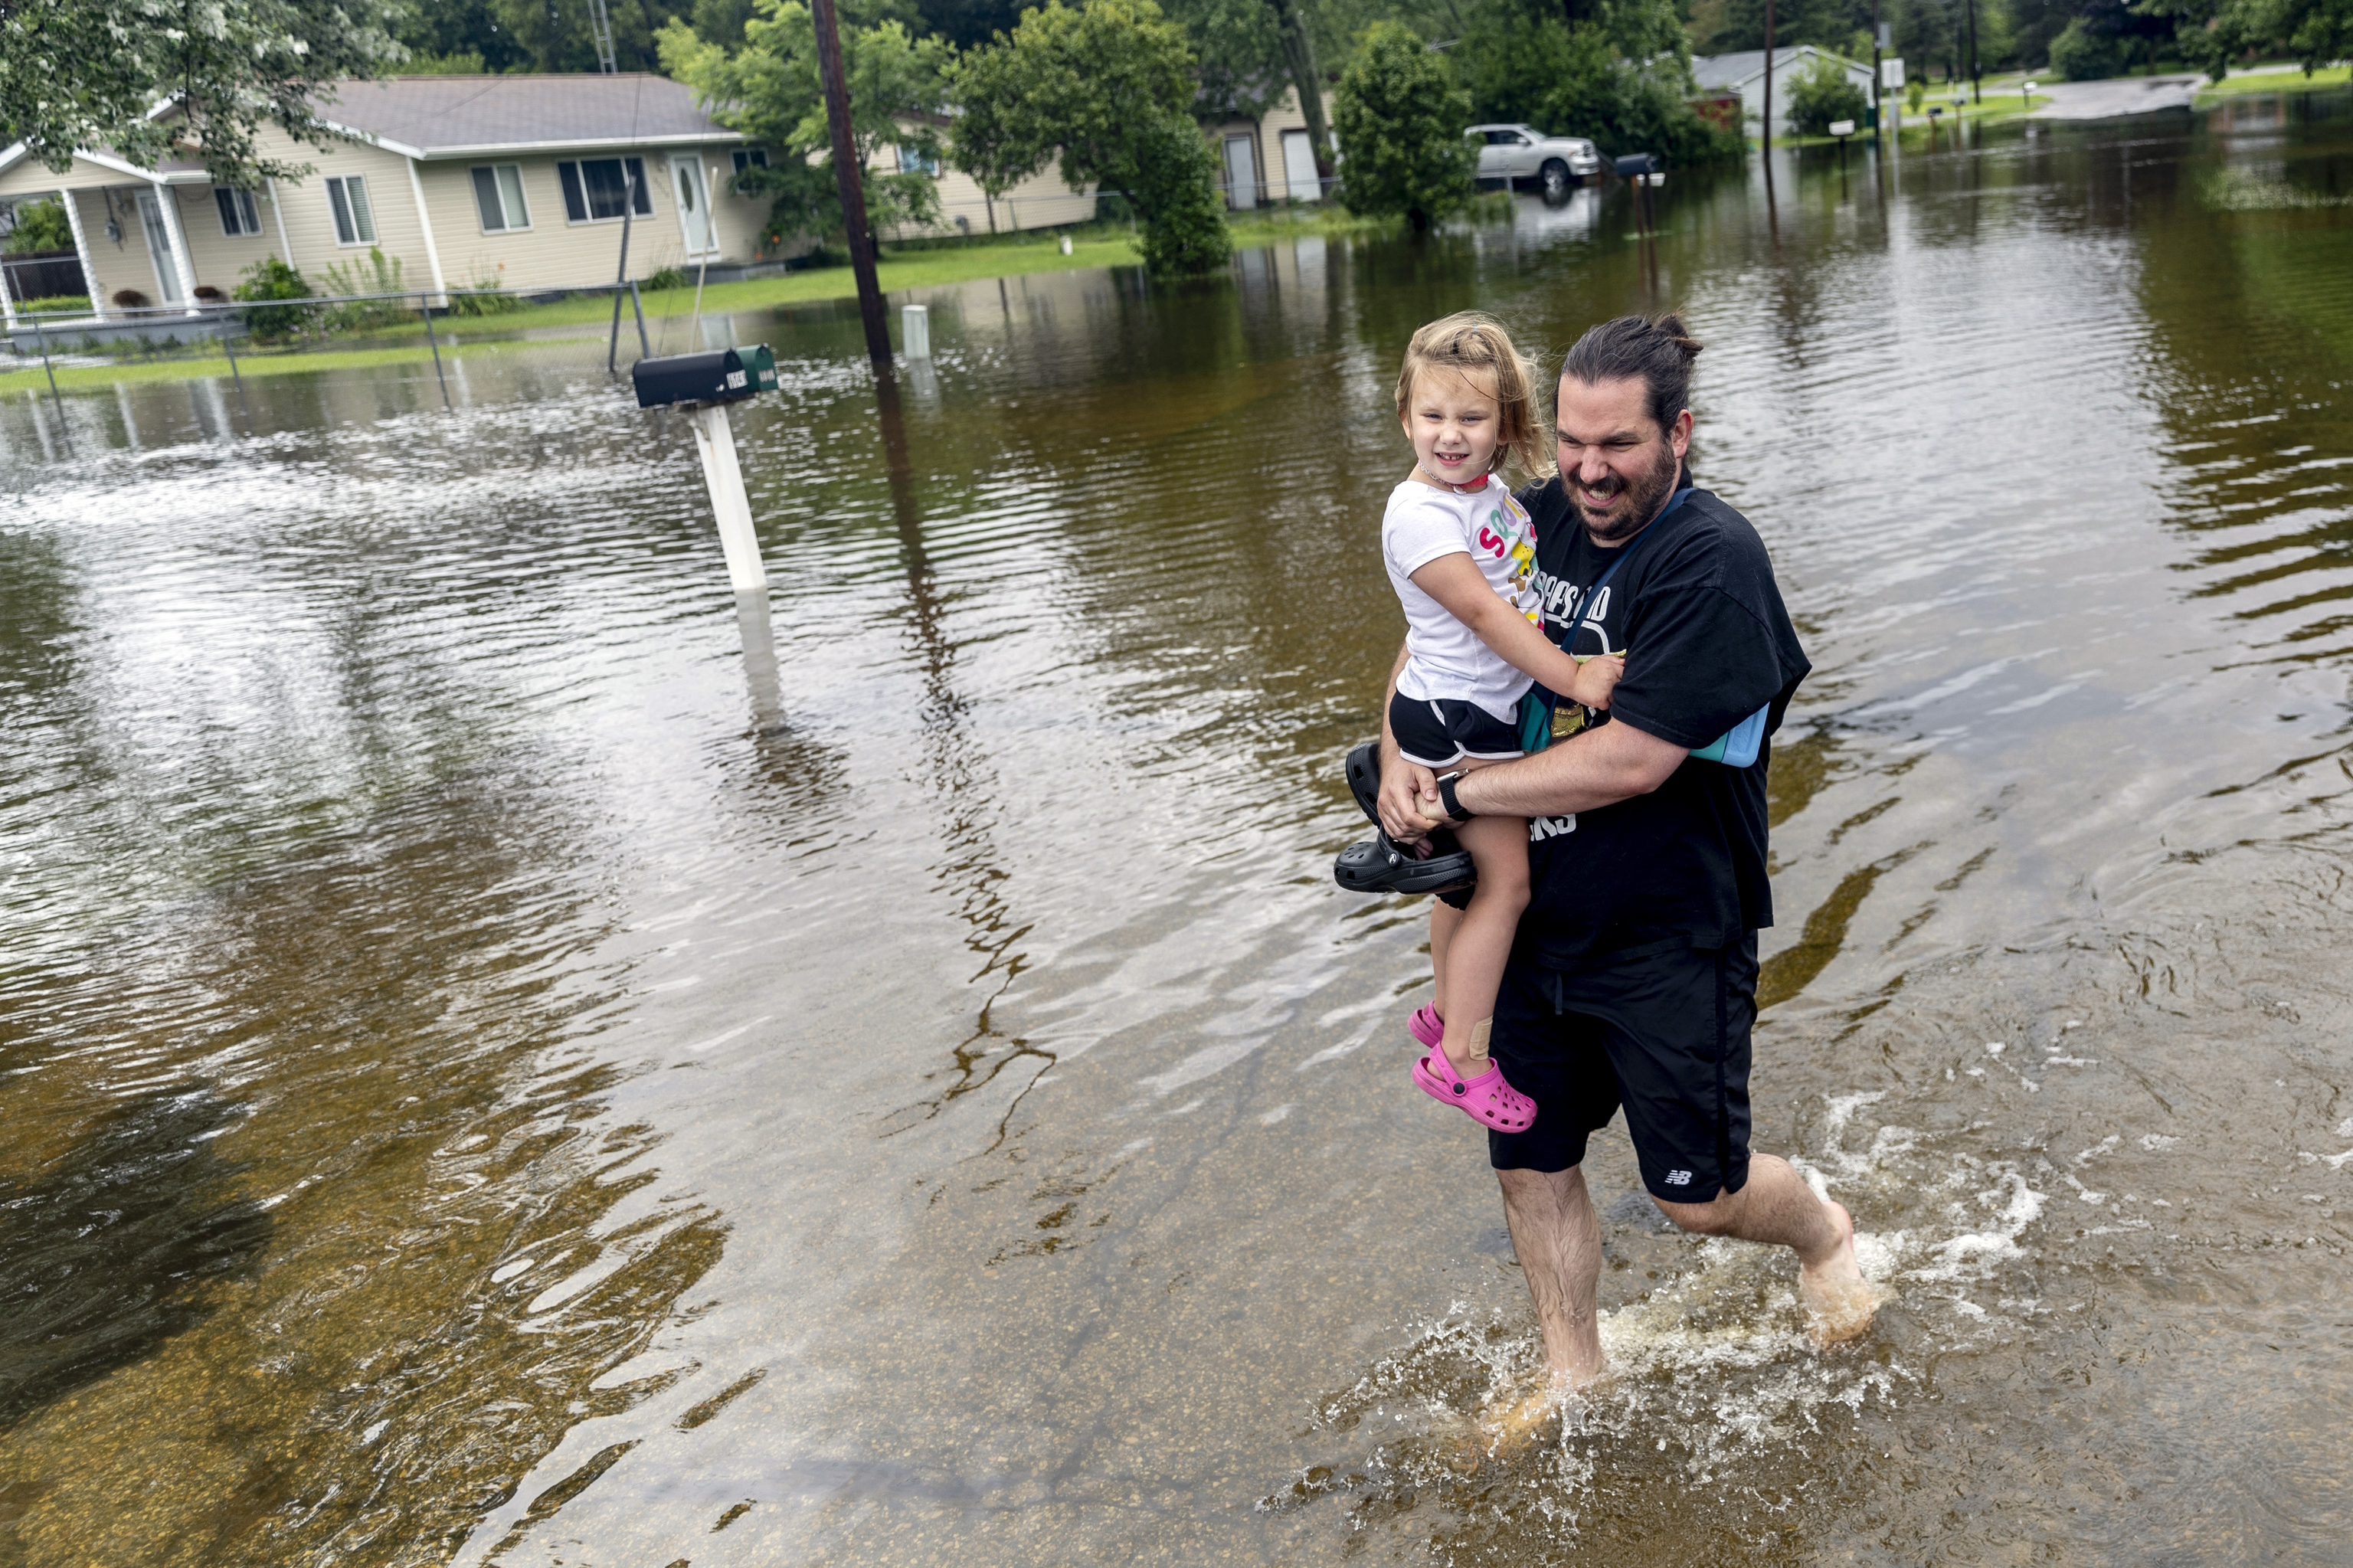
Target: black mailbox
(722, 375)
(1635, 164)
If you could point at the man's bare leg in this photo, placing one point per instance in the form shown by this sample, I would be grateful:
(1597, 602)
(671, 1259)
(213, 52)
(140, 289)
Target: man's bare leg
(1556, 1237)
(1778, 1207)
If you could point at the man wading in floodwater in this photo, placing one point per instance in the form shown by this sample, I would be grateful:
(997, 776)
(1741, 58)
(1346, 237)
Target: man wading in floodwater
(1633, 979)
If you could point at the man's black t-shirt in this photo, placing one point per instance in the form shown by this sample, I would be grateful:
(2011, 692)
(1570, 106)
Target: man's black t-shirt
(1707, 642)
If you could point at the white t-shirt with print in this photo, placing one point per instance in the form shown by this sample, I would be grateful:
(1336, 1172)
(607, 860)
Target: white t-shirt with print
(1444, 659)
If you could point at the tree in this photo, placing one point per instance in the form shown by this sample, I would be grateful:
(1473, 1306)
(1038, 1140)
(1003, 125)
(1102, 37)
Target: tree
(553, 35)
(39, 226)
(1401, 119)
(1110, 86)
(770, 91)
(1822, 93)
(440, 34)
(2211, 33)
(2080, 54)
(84, 73)
(1249, 52)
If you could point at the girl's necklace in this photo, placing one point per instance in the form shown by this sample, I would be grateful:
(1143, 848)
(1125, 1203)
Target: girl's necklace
(1455, 489)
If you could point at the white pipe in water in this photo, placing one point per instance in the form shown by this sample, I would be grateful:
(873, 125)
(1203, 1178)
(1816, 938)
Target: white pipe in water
(715, 440)
(916, 323)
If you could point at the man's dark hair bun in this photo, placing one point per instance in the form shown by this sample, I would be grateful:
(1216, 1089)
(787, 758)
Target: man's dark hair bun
(1657, 350)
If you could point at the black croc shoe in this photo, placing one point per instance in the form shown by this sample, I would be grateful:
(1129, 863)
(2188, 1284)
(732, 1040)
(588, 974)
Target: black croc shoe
(1379, 864)
(1364, 780)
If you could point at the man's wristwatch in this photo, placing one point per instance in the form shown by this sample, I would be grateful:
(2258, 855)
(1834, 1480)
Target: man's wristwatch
(1454, 809)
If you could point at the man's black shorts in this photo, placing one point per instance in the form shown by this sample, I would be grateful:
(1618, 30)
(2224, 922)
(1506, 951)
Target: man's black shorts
(1663, 1032)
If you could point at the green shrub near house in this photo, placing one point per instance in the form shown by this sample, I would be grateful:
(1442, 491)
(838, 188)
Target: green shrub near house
(273, 279)
(378, 274)
(1822, 93)
(484, 297)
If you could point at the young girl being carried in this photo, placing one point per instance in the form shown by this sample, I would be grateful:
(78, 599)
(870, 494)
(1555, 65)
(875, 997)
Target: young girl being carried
(1460, 553)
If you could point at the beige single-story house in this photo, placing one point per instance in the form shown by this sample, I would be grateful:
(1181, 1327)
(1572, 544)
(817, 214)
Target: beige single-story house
(1744, 73)
(519, 181)
(1268, 159)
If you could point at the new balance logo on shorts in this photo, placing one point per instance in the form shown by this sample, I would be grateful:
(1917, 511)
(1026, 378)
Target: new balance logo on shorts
(1678, 1177)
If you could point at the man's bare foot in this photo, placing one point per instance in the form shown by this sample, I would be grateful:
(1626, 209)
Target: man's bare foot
(1840, 1303)
(1515, 1416)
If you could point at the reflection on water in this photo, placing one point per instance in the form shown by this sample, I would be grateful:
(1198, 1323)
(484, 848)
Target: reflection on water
(516, 1055)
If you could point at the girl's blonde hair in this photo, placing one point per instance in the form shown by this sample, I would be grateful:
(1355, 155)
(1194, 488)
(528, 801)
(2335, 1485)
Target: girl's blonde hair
(1472, 343)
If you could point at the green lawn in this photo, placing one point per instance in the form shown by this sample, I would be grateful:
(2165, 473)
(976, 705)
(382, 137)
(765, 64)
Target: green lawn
(2274, 81)
(196, 366)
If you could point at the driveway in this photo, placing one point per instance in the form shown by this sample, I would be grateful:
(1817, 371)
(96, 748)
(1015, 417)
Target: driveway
(2119, 95)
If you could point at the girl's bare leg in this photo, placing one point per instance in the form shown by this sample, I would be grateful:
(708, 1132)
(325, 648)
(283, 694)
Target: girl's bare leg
(1482, 939)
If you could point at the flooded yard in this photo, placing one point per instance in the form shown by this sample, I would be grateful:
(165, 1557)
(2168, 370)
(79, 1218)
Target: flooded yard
(512, 1056)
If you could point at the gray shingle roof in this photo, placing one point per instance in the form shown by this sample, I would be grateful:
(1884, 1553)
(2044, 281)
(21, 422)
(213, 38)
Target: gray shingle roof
(476, 113)
(1714, 72)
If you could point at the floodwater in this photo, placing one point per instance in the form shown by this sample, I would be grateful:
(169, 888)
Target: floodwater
(510, 1056)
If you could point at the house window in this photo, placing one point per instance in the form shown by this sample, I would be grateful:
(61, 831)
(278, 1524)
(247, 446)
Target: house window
(594, 188)
(914, 162)
(355, 220)
(237, 210)
(498, 192)
(751, 158)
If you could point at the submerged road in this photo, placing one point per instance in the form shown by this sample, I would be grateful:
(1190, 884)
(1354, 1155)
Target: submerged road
(2116, 97)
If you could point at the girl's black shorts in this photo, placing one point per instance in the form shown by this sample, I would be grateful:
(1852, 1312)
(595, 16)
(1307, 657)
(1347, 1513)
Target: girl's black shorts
(1441, 732)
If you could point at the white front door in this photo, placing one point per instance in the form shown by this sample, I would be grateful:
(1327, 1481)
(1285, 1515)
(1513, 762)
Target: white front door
(159, 248)
(1299, 167)
(1242, 174)
(693, 203)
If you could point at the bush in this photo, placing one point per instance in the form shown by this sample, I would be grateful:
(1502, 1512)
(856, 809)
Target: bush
(2080, 54)
(273, 279)
(1821, 93)
(484, 297)
(379, 274)
(665, 278)
(1398, 118)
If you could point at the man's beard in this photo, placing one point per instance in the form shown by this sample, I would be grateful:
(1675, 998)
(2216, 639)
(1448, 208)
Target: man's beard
(1643, 498)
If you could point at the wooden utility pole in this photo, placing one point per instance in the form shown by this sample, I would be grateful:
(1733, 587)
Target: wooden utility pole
(1976, 83)
(1768, 89)
(1875, 47)
(846, 178)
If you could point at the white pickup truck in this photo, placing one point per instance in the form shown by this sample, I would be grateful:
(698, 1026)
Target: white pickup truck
(1514, 153)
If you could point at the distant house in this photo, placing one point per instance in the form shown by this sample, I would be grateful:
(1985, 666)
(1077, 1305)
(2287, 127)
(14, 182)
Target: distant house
(1267, 159)
(1744, 74)
(1041, 201)
(516, 180)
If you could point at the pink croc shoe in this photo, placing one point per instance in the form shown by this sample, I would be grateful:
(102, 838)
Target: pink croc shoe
(1485, 1099)
(1426, 1027)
